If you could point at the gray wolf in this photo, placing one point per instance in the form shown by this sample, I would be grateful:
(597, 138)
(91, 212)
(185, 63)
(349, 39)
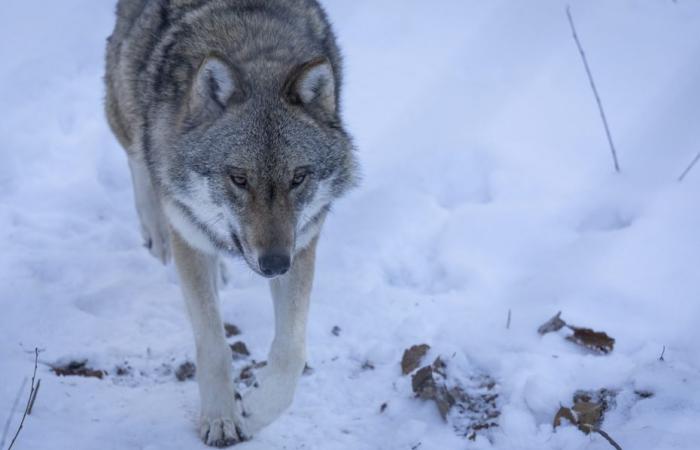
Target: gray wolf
(229, 113)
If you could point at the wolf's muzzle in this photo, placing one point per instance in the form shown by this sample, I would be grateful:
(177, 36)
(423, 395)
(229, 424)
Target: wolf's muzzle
(273, 264)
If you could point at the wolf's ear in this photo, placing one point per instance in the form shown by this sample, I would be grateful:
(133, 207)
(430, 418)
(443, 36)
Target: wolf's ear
(313, 85)
(214, 85)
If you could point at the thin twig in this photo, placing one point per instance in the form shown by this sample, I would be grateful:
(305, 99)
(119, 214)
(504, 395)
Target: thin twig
(661, 358)
(508, 321)
(36, 392)
(692, 163)
(12, 413)
(29, 400)
(608, 438)
(593, 87)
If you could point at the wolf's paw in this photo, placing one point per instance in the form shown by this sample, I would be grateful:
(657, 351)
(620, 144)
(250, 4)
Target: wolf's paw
(156, 238)
(220, 432)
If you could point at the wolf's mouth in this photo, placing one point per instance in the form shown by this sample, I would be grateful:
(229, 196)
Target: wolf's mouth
(237, 243)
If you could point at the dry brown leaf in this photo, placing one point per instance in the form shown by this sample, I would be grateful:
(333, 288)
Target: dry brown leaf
(589, 415)
(78, 368)
(425, 387)
(423, 383)
(469, 404)
(596, 341)
(239, 350)
(564, 413)
(231, 330)
(412, 357)
(553, 324)
(588, 412)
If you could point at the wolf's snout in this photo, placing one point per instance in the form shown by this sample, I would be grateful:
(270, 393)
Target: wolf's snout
(274, 264)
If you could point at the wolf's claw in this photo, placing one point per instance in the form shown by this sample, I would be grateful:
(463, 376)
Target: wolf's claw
(220, 432)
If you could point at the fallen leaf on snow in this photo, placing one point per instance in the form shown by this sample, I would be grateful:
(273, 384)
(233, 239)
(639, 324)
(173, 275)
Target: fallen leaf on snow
(231, 330)
(239, 350)
(553, 324)
(412, 357)
(247, 373)
(588, 415)
(468, 403)
(596, 341)
(78, 368)
(564, 413)
(588, 412)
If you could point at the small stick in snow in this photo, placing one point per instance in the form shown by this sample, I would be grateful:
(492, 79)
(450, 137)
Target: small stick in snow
(608, 438)
(661, 358)
(594, 88)
(36, 392)
(32, 394)
(508, 321)
(6, 429)
(688, 169)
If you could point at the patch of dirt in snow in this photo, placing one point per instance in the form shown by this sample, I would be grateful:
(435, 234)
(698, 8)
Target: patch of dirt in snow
(466, 401)
(77, 368)
(186, 371)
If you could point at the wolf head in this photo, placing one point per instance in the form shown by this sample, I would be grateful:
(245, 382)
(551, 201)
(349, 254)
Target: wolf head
(256, 160)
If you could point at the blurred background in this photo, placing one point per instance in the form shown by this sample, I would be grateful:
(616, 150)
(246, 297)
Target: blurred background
(489, 203)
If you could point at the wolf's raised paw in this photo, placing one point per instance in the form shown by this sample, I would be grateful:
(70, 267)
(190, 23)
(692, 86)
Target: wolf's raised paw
(220, 432)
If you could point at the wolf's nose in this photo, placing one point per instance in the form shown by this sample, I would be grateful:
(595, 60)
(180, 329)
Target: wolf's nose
(274, 264)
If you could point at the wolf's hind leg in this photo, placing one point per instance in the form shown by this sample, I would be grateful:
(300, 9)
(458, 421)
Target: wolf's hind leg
(154, 227)
(220, 417)
(278, 380)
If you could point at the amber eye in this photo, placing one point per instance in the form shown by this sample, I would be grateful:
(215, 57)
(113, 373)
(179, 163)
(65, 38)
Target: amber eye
(298, 179)
(239, 181)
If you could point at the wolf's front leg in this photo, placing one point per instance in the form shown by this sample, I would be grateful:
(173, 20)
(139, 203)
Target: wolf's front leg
(154, 227)
(220, 415)
(278, 380)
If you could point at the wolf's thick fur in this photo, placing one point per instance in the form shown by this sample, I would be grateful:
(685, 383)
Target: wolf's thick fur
(229, 113)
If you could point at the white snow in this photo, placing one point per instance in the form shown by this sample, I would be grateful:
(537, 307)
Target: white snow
(488, 187)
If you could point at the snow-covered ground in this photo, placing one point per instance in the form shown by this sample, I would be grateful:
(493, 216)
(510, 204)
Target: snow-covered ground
(488, 187)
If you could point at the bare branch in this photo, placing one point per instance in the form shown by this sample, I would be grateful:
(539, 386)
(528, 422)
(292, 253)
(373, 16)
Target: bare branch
(29, 400)
(692, 163)
(608, 438)
(663, 351)
(33, 399)
(6, 429)
(595, 90)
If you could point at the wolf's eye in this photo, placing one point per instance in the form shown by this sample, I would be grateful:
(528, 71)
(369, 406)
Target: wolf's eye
(240, 181)
(298, 179)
